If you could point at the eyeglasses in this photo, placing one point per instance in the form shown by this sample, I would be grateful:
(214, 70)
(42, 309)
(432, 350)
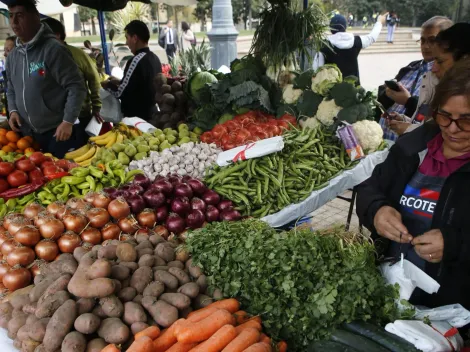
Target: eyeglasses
(445, 120)
(423, 41)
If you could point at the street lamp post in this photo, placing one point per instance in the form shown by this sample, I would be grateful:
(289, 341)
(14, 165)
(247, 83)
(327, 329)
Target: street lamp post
(223, 35)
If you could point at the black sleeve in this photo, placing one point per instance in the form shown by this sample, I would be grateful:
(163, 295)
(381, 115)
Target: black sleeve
(411, 106)
(456, 245)
(130, 82)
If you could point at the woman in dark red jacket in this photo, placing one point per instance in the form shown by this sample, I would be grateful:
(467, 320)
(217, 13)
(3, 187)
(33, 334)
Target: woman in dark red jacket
(417, 201)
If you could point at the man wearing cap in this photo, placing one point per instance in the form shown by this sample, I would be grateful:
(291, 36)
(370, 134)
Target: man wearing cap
(347, 46)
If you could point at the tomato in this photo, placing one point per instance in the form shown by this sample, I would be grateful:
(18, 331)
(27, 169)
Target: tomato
(17, 178)
(283, 125)
(206, 137)
(241, 136)
(260, 135)
(274, 130)
(25, 165)
(6, 168)
(64, 164)
(229, 145)
(47, 163)
(4, 185)
(232, 125)
(37, 158)
(51, 170)
(289, 119)
(35, 176)
(218, 131)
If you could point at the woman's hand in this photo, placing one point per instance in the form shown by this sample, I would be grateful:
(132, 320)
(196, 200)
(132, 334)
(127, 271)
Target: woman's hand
(399, 127)
(400, 97)
(388, 224)
(430, 246)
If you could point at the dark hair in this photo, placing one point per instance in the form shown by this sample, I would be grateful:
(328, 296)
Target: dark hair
(11, 39)
(455, 40)
(139, 29)
(456, 82)
(184, 26)
(29, 5)
(56, 26)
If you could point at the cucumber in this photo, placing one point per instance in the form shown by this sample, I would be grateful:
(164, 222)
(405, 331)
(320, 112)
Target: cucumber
(380, 336)
(330, 346)
(361, 343)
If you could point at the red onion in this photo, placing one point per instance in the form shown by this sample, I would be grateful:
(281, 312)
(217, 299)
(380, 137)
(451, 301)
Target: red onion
(163, 186)
(225, 205)
(162, 214)
(110, 191)
(175, 223)
(198, 204)
(211, 198)
(154, 198)
(212, 213)
(186, 178)
(137, 203)
(183, 190)
(142, 181)
(230, 215)
(135, 190)
(174, 180)
(197, 186)
(180, 205)
(195, 219)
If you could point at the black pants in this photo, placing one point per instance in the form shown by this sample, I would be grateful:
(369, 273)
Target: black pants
(49, 144)
(170, 51)
(84, 121)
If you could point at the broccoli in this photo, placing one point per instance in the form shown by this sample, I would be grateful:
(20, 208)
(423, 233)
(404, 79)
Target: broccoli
(345, 94)
(354, 113)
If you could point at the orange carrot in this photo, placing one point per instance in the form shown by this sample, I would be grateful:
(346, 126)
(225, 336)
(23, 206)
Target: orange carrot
(143, 344)
(181, 347)
(259, 347)
(249, 324)
(200, 314)
(241, 316)
(218, 341)
(230, 304)
(282, 346)
(202, 330)
(265, 338)
(111, 348)
(167, 338)
(152, 331)
(245, 339)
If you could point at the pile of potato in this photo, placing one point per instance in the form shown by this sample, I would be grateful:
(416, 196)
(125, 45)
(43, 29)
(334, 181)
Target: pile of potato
(84, 301)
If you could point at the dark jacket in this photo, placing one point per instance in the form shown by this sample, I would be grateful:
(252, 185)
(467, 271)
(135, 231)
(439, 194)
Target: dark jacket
(137, 89)
(451, 214)
(412, 103)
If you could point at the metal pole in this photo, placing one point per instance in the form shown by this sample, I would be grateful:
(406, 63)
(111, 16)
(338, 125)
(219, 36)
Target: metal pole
(303, 58)
(104, 47)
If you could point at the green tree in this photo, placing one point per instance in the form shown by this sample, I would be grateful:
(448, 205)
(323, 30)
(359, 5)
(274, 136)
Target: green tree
(203, 12)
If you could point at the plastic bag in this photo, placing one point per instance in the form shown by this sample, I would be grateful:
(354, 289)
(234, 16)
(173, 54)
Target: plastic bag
(408, 276)
(139, 123)
(454, 314)
(350, 142)
(111, 107)
(94, 127)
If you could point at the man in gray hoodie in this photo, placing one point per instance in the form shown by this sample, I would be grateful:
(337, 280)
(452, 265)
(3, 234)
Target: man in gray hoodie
(45, 88)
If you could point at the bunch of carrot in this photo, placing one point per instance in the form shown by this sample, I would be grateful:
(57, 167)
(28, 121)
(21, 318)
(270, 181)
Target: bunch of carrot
(219, 327)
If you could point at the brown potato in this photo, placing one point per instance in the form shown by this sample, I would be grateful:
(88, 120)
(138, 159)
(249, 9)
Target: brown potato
(155, 289)
(176, 264)
(87, 323)
(165, 251)
(177, 300)
(96, 345)
(141, 278)
(191, 289)
(163, 313)
(127, 294)
(113, 330)
(138, 327)
(74, 342)
(169, 280)
(126, 252)
(60, 325)
(133, 313)
(112, 306)
(182, 277)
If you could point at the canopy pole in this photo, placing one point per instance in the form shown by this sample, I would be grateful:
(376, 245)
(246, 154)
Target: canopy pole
(104, 47)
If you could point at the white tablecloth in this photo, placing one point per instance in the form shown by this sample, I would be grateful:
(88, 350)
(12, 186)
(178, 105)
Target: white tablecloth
(6, 345)
(338, 185)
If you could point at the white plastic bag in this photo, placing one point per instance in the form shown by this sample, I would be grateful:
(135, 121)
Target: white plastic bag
(139, 123)
(454, 314)
(111, 107)
(408, 276)
(94, 127)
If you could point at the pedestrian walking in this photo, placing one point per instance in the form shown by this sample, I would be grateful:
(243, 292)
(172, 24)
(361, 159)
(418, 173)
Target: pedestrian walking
(392, 23)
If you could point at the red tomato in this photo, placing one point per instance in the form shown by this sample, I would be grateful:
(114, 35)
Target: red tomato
(283, 125)
(51, 170)
(6, 168)
(241, 136)
(218, 131)
(25, 165)
(3, 185)
(38, 158)
(17, 178)
(260, 135)
(289, 118)
(254, 128)
(35, 175)
(47, 163)
(62, 163)
(274, 130)
(229, 145)
(232, 125)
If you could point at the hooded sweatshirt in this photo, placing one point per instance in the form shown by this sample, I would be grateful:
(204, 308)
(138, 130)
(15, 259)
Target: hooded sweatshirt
(44, 84)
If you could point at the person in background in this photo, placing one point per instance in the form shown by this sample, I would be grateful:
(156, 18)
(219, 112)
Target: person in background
(350, 20)
(137, 89)
(187, 37)
(451, 45)
(345, 47)
(392, 23)
(169, 36)
(10, 44)
(92, 105)
(410, 78)
(416, 202)
(45, 88)
(365, 22)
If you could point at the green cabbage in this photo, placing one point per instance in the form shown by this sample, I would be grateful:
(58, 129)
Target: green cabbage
(198, 81)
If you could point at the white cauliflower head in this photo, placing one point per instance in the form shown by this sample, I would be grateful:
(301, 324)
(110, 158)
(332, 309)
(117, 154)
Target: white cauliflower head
(325, 78)
(327, 111)
(291, 95)
(369, 134)
(311, 122)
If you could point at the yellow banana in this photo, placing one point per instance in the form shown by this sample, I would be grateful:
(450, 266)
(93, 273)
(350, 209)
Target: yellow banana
(87, 155)
(99, 138)
(112, 140)
(120, 137)
(123, 127)
(86, 162)
(135, 132)
(105, 141)
(78, 152)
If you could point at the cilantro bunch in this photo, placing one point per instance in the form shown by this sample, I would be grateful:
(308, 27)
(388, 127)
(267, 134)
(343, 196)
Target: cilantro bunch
(302, 283)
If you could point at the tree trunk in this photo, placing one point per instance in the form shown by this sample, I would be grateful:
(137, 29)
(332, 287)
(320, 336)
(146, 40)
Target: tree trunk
(93, 26)
(250, 19)
(203, 26)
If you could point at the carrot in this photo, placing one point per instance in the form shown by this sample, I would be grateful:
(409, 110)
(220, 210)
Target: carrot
(202, 330)
(152, 331)
(249, 324)
(230, 304)
(181, 347)
(245, 339)
(259, 347)
(282, 346)
(167, 338)
(265, 338)
(111, 348)
(143, 344)
(218, 341)
(200, 314)
(242, 317)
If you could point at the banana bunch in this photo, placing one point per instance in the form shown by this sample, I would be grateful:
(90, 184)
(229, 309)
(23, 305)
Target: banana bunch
(84, 155)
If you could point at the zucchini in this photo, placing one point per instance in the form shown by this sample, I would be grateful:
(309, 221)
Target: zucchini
(380, 336)
(358, 342)
(330, 346)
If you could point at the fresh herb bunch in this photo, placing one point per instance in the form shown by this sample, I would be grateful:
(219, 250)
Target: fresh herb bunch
(284, 33)
(302, 283)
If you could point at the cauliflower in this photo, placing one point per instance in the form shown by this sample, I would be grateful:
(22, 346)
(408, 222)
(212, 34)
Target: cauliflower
(325, 78)
(311, 122)
(291, 95)
(327, 111)
(369, 134)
